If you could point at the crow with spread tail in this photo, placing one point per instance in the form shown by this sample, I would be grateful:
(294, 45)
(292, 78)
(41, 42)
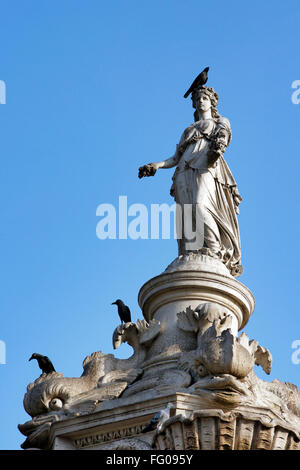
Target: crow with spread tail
(198, 82)
(123, 311)
(44, 363)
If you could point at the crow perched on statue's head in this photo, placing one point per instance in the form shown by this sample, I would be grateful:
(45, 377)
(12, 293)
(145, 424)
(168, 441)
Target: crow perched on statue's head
(44, 363)
(199, 81)
(123, 311)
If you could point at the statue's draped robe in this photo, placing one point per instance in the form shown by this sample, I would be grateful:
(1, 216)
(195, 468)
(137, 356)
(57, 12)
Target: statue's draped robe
(210, 189)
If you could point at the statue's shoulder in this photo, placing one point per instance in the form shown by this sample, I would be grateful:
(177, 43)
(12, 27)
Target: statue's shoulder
(223, 122)
(189, 128)
(187, 131)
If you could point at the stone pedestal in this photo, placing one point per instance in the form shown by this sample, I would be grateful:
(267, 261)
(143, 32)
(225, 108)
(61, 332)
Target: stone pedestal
(166, 295)
(187, 353)
(172, 292)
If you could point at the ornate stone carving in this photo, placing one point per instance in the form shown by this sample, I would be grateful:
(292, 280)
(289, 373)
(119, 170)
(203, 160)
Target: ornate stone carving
(218, 350)
(55, 392)
(53, 397)
(215, 429)
(164, 381)
(139, 335)
(106, 375)
(101, 438)
(129, 444)
(218, 370)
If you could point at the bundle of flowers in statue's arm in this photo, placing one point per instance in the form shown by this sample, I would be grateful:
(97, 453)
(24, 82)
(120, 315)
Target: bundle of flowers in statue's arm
(219, 142)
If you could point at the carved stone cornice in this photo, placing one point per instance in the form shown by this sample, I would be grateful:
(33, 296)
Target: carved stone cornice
(100, 438)
(236, 430)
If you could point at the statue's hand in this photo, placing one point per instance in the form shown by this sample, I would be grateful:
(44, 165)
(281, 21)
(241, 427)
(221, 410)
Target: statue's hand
(147, 170)
(215, 151)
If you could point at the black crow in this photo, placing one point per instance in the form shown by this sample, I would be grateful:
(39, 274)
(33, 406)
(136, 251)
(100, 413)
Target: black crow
(44, 363)
(198, 82)
(123, 311)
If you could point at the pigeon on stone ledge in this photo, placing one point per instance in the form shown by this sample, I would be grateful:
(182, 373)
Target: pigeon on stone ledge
(158, 419)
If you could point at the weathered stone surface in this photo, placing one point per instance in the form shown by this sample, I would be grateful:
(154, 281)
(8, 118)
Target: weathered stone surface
(196, 351)
(179, 290)
(215, 429)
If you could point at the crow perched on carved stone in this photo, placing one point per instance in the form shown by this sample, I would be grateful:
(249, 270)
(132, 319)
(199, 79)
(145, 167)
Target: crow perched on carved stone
(123, 311)
(44, 363)
(199, 81)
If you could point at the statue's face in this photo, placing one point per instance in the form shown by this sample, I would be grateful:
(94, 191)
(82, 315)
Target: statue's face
(203, 103)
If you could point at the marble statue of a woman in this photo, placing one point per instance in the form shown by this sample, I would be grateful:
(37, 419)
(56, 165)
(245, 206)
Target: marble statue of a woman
(203, 181)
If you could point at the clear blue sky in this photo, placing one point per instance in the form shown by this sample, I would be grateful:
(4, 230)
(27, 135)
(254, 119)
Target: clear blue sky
(94, 90)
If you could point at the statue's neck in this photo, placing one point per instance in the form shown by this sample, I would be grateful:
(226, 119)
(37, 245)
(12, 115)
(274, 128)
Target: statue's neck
(204, 115)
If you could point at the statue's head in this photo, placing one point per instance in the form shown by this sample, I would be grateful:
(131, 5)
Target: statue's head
(204, 98)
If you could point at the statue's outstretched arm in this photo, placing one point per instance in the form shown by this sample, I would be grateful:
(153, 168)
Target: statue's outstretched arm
(151, 168)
